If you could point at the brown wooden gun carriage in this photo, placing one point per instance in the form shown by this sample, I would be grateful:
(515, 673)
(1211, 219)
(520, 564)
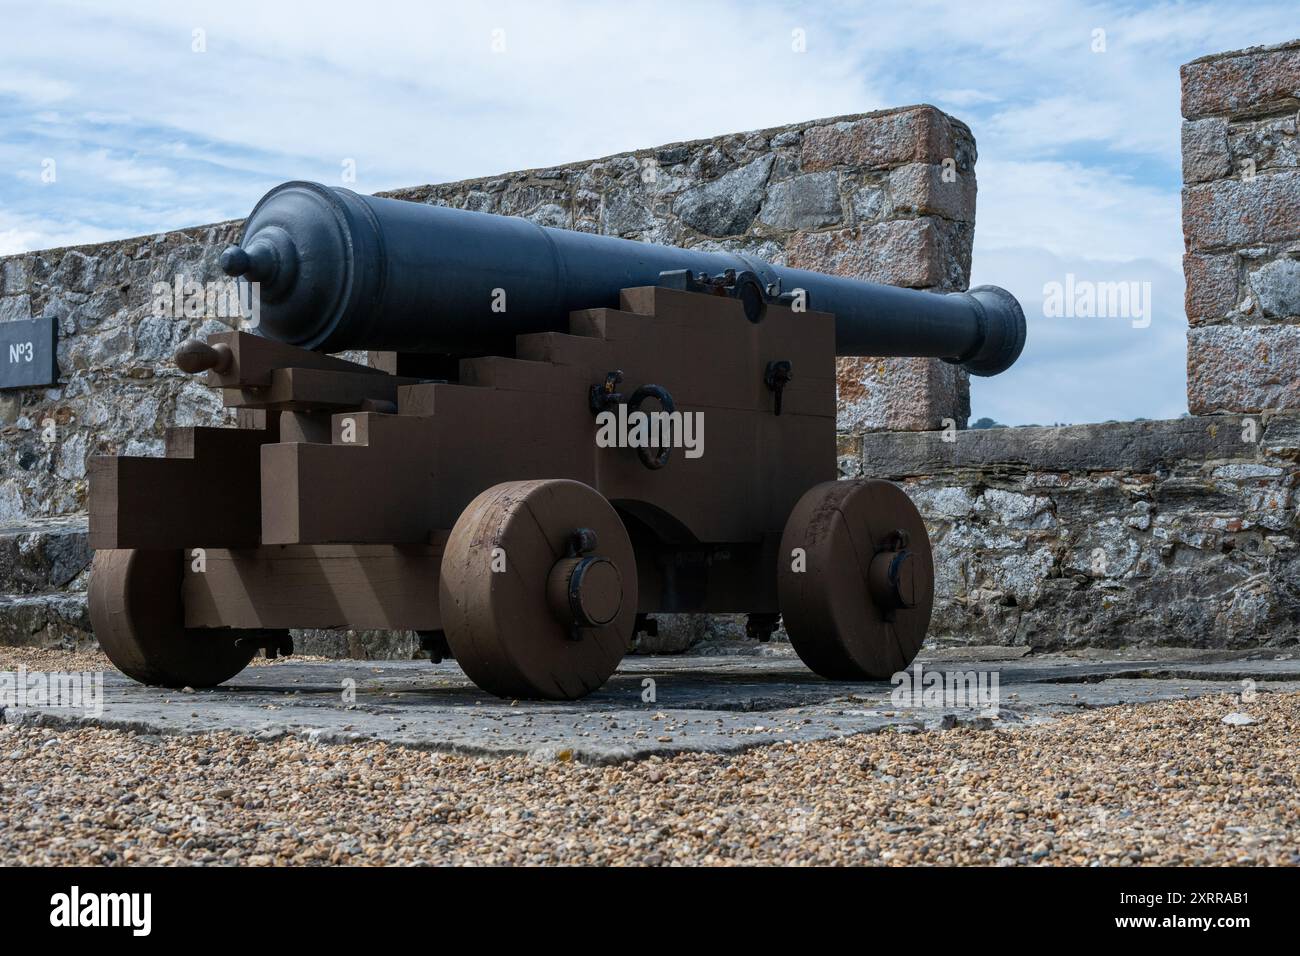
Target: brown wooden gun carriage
(467, 499)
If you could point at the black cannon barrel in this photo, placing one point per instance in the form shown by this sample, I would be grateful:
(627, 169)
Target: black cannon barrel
(337, 270)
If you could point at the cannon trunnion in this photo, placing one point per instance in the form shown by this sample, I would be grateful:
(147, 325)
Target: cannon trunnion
(490, 513)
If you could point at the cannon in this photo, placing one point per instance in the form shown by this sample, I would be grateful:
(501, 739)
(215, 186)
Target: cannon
(556, 436)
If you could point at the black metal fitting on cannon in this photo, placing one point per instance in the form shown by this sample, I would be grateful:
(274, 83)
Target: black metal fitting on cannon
(603, 398)
(654, 458)
(891, 575)
(746, 286)
(776, 377)
(581, 541)
(588, 581)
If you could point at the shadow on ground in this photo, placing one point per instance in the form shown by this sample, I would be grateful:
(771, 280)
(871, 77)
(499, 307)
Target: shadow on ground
(656, 704)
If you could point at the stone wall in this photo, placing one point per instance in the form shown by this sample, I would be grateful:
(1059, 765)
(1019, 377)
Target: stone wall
(118, 389)
(862, 195)
(1179, 532)
(1241, 226)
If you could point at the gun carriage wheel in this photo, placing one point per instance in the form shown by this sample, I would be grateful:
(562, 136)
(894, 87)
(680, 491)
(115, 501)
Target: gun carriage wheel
(538, 590)
(136, 611)
(856, 600)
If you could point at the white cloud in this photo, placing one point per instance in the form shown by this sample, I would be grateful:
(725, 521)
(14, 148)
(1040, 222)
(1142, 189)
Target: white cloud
(963, 97)
(1071, 209)
(34, 87)
(1052, 124)
(1086, 369)
(22, 234)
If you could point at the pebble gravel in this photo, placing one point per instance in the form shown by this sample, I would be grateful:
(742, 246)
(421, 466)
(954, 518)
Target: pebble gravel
(1162, 783)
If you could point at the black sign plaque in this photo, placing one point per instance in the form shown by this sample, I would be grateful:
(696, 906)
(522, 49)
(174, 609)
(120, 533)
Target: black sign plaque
(27, 353)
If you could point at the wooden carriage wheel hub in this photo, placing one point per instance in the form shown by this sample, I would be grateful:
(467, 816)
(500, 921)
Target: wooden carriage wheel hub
(585, 591)
(892, 577)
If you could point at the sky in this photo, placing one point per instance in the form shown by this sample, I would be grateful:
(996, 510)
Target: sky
(1074, 107)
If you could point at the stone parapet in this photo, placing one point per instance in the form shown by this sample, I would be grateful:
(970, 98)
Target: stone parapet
(1241, 229)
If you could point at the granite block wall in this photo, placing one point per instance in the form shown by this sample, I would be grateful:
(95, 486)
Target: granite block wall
(1241, 227)
(1161, 533)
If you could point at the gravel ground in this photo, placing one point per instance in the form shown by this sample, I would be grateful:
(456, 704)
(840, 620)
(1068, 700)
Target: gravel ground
(1165, 783)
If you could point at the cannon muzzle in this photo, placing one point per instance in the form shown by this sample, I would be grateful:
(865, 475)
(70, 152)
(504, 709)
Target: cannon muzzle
(336, 270)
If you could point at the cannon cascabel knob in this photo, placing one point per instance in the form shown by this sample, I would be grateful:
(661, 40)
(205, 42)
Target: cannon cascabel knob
(265, 259)
(234, 261)
(194, 356)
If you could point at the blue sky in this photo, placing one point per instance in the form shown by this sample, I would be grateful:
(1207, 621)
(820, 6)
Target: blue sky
(1078, 150)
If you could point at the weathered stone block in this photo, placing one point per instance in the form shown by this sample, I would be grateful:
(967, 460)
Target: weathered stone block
(359, 645)
(727, 205)
(902, 394)
(1233, 213)
(56, 620)
(554, 215)
(1266, 145)
(869, 203)
(1281, 436)
(1054, 452)
(955, 240)
(1243, 368)
(927, 189)
(1211, 291)
(14, 277)
(902, 252)
(1205, 150)
(1242, 83)
(77, 272)
(44, 555)
(626, 211)
(1276, 287)
(811, 201)
(15, 307)
(920, 134)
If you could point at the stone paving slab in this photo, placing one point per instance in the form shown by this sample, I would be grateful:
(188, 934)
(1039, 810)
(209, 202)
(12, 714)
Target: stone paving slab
(722, 703)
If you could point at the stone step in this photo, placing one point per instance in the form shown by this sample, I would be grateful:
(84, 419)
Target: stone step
(49, 619)
(39, 555)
